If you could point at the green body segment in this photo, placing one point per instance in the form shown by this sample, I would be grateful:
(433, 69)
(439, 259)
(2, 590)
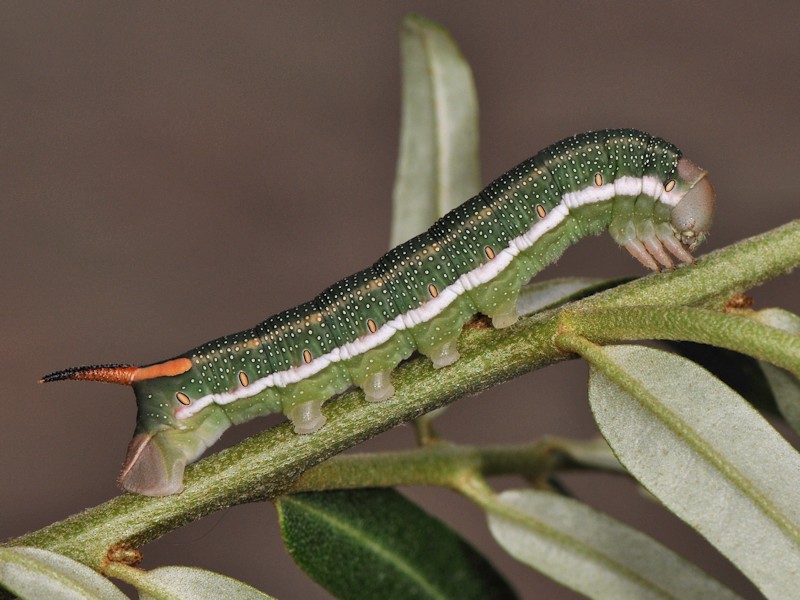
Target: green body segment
(522, 221)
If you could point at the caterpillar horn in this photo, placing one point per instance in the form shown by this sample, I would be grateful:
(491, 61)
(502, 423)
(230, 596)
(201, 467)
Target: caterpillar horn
(122, 374)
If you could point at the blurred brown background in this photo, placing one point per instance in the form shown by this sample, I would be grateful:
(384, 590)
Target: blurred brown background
(172, 173)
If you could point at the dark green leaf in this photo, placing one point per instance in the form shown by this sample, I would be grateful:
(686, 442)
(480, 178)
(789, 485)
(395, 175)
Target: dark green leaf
(366, 544)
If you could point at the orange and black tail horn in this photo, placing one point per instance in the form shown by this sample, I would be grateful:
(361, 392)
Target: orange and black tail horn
(122, 374)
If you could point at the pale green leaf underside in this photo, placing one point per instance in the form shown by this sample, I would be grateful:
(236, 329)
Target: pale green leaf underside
(176, 583)
(594, 454)
(438, 167)
(785, 387)
(35, 573)
(594, 554)
(537, 295)
(707, 455)
(786, 390)
(779, 319)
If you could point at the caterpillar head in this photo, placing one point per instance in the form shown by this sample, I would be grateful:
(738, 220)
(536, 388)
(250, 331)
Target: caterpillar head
(691, 217)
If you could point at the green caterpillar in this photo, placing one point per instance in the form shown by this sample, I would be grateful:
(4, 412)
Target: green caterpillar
(416, 297)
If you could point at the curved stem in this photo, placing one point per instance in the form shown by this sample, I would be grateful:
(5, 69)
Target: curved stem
(716, 277)
(269, 464)
(724, 330)
(445, 464)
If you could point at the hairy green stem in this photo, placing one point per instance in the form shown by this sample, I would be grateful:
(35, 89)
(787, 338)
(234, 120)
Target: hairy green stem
(717, 276)
(446, 464)
(423, 427)
(725, 330)
(268, 464)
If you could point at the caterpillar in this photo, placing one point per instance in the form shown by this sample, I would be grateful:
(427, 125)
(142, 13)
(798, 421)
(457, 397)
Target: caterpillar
(417, 297)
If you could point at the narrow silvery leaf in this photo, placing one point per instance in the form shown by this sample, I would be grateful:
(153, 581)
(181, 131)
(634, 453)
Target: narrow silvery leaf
(710, 457)
(593, 553)
(786, 389)
(594, 454)
(779, 319)
(785, 386)
(36, 573)
(438, 167)
(168, 583)
(740, 372)
(538, 295)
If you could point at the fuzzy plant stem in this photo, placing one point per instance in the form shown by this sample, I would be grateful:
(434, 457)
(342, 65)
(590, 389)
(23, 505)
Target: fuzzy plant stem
(270, 463)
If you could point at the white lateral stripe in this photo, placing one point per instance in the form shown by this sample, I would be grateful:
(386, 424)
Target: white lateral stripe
(628, 186)
(623, 186)
(589, 195)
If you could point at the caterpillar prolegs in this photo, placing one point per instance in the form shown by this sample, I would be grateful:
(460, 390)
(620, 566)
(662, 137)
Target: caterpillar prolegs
(416, 297)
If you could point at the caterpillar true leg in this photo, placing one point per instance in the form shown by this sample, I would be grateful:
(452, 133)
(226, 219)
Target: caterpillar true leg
(640, 253)
(666, 234)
